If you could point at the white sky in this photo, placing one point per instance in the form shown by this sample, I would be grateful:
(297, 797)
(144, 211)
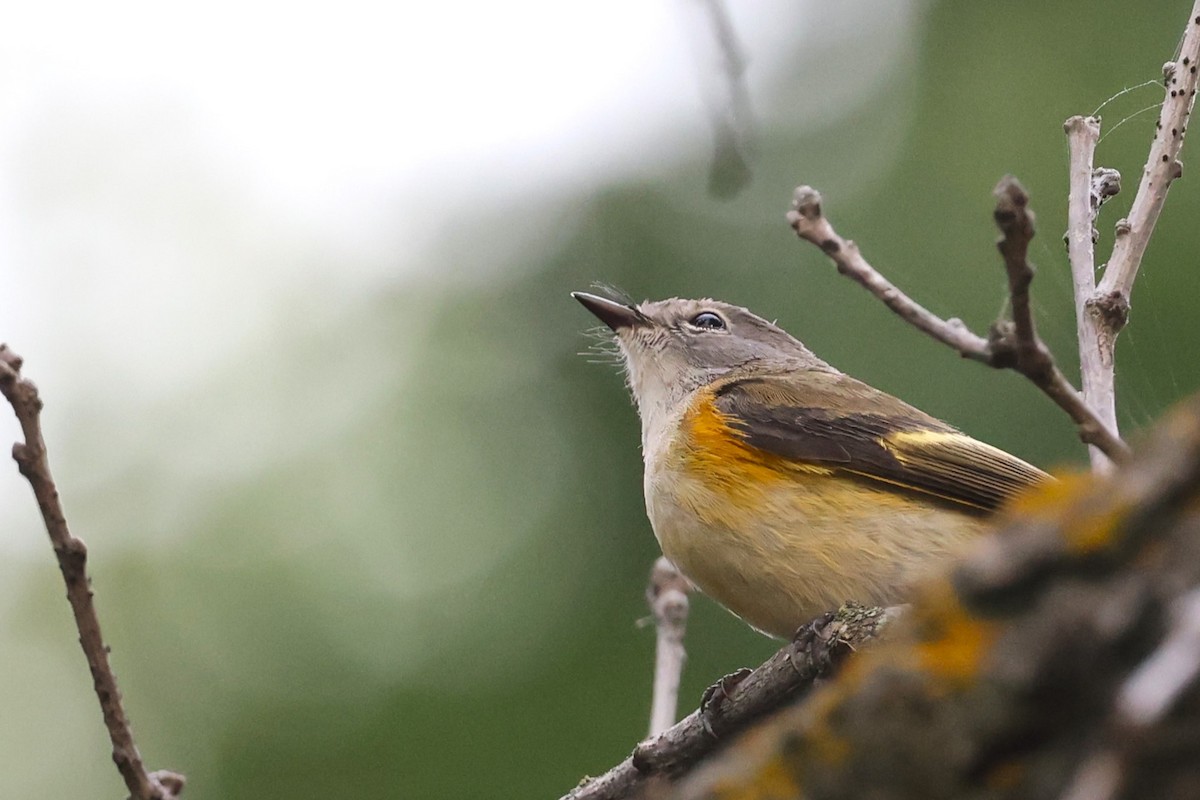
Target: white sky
(168, 172)
(118, 119)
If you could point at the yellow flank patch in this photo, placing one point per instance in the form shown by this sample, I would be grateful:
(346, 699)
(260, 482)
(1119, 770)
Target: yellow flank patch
(923, 490)
(724, 455)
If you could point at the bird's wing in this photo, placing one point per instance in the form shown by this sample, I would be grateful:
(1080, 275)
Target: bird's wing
(832, 420)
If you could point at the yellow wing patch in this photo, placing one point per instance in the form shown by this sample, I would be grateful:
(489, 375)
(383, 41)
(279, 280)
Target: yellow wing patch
(955, 459)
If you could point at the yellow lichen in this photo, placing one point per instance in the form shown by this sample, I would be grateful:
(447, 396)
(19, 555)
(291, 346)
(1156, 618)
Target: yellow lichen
(1047, 501)
(1088, 522)
(773, 780)
(1005, 775)
(953, 643)
(1092, 532)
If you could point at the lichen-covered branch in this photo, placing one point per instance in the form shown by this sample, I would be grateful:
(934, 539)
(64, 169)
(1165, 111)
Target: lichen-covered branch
(32, 461)
(1146, 697)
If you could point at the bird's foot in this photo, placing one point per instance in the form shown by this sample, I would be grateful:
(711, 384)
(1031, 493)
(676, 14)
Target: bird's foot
(716, 695)
(805, 641)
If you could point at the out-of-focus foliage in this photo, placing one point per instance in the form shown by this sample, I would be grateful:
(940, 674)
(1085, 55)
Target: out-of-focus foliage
(432, 587)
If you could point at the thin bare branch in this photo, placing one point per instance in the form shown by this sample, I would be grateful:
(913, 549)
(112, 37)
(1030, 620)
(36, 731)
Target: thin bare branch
(1088, 189)
(667, 595)
(1162, 168)
(810, 223)
(728, 101)
(32, 461)
(1102, 311)
(1033, 358)
(1012, 345)
(1015, 221)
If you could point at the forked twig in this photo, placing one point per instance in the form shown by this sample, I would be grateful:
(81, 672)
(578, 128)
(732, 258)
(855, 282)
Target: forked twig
(1014, 345)
(1102, 310)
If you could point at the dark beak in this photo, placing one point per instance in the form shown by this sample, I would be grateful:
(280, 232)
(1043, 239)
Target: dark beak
(610, 312)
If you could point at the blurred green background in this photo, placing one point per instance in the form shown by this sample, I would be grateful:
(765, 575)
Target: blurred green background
(390, 542)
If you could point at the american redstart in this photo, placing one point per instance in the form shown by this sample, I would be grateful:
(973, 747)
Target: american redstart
(782, 487)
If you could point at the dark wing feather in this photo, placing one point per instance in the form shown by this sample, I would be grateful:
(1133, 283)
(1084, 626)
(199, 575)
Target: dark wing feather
(832, 420)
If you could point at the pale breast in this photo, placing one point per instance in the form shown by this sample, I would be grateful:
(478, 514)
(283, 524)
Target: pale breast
(778, 546)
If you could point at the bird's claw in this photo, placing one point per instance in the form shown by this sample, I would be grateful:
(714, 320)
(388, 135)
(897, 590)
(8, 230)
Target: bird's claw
(716, 695)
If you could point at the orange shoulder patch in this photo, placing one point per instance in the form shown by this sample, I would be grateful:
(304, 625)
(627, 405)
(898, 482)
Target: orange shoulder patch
(712, 443)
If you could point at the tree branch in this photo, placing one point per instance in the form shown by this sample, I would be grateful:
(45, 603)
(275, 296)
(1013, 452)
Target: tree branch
(667, 595)
(1033, 358)
(1102, 311)
(1162, 168)
(816, 653)
(1015, 346)
(809, 222)
(1088, 189)
(31, 459)
(728, 101)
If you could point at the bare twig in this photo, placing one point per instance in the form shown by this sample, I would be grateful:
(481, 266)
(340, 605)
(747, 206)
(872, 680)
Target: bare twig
(809, 222)
(1014, 346)
(728, 106)
(1033, 358)
(1162, 168)
(31, 459)
(1089, 188)
(667, 595)
(1015, 221)
(786, 675)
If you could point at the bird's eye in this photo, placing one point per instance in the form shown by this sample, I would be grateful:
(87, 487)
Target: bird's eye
(709, 321)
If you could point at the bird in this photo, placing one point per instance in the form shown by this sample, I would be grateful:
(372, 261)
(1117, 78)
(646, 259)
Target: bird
(782, 487)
